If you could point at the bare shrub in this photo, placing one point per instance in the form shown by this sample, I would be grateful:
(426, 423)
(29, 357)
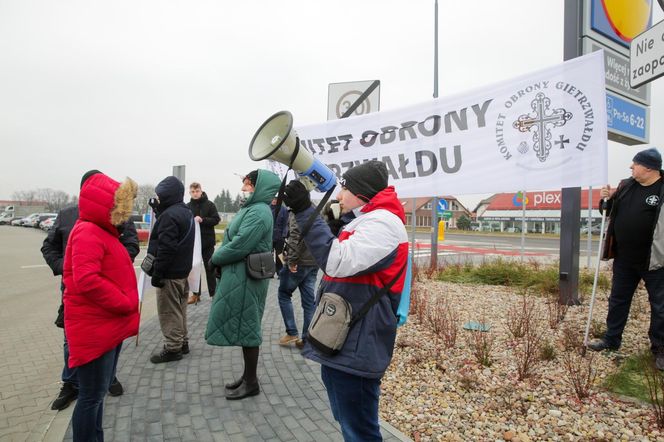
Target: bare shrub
(572, 340)
(579, 371)
(419, 303)
(527, 348)
(655, 382)
(556, 310)
(443, 319)
(481, 345)
(519, 315)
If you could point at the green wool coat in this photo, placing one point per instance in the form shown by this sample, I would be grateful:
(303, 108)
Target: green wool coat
(239, 302)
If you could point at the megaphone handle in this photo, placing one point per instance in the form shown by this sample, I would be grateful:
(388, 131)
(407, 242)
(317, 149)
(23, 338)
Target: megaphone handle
(280, 195)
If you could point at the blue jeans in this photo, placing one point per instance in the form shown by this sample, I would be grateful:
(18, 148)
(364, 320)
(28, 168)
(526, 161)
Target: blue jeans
(68, 374)
(94, 378)
(625, 280)
(305, 280)
(354, 404)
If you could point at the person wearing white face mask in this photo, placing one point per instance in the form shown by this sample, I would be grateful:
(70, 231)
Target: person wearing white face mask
(238, 305)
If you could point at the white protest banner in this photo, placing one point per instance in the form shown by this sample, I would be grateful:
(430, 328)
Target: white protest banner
(194, 277)
(144, 281)
(544, 130)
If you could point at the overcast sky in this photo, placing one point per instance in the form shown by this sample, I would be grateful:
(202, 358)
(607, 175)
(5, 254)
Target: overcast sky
(135, 87)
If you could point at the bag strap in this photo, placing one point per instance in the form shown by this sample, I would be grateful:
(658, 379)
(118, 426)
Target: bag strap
(187, 234)
(365, 308)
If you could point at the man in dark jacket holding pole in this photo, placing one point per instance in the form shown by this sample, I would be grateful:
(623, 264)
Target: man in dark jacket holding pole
(53, 251)
(207, 216)
(172, 245)
(635, 239)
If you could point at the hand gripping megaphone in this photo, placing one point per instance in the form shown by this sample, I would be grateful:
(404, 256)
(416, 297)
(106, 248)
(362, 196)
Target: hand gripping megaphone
(276, 140)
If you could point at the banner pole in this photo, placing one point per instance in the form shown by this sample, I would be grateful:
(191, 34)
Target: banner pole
(434, 201)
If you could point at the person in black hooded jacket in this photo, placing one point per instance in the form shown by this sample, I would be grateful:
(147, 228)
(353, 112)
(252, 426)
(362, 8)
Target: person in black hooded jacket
(172, 245)
(207, 216)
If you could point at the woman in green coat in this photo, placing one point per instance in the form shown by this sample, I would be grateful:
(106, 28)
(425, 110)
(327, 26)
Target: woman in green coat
(239, 302)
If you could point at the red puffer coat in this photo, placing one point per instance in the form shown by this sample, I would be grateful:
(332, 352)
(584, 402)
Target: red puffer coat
(101, 298)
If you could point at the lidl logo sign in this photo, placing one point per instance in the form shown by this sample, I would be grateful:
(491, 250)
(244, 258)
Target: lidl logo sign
(518, 199)
(621, 20)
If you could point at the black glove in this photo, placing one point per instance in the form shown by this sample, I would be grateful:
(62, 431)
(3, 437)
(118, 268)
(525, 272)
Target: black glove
(157, 281)
(297, 197)
(335, 226)
(214, 269)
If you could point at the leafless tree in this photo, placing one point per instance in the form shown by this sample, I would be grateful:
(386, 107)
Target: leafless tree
(25, 195)
(145, 192)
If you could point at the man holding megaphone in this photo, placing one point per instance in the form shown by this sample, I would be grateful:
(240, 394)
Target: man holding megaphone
(364, 277)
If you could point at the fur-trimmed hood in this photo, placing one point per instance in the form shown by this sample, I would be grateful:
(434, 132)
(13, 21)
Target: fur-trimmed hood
(106, 202)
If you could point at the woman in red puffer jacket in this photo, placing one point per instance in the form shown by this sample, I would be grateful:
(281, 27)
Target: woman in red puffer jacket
(100, 298)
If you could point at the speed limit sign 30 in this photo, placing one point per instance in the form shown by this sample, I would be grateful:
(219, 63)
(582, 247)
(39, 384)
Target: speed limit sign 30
(353, 98)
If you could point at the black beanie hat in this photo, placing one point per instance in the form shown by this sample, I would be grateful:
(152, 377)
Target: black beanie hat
(366, 180)
(649, 158)
(87, 175)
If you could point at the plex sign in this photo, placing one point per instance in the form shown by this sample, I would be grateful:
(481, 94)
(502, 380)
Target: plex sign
(539, 200)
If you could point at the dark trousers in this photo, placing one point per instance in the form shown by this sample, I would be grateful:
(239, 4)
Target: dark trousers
(209, 273)
(354, 404)
(68, 374)
(94, 378)
(626, 278)
(278, 249)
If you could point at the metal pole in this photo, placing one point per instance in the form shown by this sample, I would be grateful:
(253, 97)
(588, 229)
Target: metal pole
(434, 201)
(592, 296)
(523, 223)
(590, 224)
(413, 230)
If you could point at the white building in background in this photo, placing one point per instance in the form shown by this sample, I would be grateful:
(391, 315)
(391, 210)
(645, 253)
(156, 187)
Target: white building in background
(503, 212)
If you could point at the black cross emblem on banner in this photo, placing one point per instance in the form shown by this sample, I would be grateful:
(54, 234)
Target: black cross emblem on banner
(542, 117)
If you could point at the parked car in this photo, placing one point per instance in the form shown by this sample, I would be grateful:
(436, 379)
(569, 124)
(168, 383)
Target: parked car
(594, 230)
(17, 222)
(41, 217)
(29, 221)
(7, 219)
(47, 223)
(143, 231)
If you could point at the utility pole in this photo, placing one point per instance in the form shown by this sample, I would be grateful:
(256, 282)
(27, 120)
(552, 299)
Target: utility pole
(434, 200)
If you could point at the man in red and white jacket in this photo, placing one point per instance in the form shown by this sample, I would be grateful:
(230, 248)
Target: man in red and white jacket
(370, 251)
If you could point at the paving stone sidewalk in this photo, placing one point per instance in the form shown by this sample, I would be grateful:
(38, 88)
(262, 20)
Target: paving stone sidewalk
(184, 400)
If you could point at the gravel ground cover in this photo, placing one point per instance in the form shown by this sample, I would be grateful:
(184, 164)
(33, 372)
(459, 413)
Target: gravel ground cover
(434, 393)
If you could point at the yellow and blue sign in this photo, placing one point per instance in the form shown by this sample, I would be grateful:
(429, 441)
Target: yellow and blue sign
(621, 20)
